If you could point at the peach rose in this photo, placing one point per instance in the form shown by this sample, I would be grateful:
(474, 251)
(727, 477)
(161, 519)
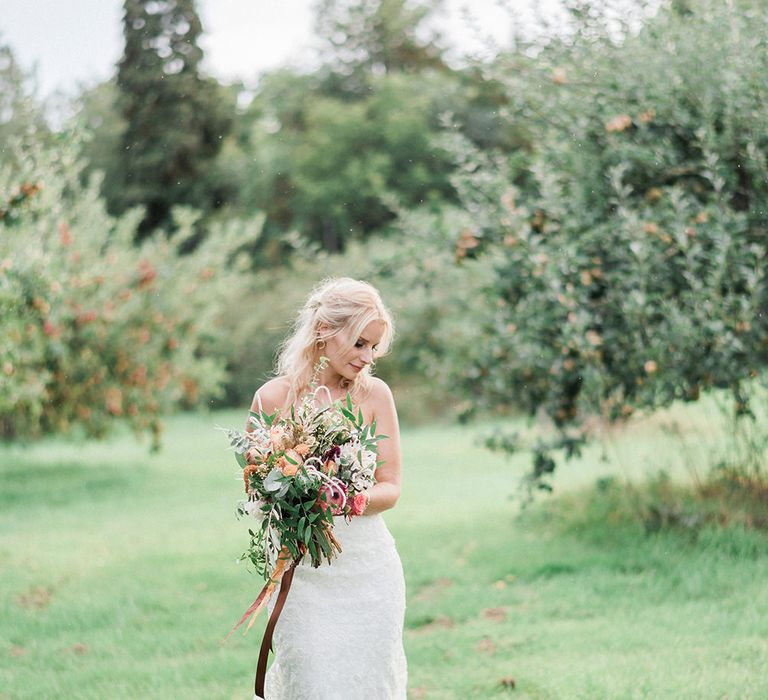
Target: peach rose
(329, 467)
(290, 463)
(277, 437)
(302, 449)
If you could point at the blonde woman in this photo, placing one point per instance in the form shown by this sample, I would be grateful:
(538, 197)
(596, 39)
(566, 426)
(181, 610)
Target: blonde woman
(339, 636)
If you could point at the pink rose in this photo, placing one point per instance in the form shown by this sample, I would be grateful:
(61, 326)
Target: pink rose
(359, 503)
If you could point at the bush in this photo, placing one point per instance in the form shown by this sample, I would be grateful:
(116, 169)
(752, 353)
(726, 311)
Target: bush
(95, 328)
(630, 250)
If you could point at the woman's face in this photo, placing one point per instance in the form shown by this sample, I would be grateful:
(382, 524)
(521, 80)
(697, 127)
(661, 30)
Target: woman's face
(349, 356)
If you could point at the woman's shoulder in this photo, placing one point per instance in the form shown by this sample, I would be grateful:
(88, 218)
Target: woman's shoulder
(380, 393)
(379, 387)
(381, 403)
(273, 394)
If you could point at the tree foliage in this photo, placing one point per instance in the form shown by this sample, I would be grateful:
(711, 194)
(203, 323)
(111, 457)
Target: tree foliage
(94, 327)
(332, 169)
(374, 38)
(175, 119)
(22, 116)
(630, 253)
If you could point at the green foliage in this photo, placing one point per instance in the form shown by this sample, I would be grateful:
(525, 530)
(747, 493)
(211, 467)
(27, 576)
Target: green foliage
(332, 168)
(374, 38)
(103, 126)
(21, 115)
(175, 119)
(331, 154)
(340, 151)
(438, 307)
(94, 328)
(630, 251)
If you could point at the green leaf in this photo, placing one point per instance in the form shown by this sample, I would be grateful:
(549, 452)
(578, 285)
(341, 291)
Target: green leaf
(348, 414)
(325, 545)
(269, 419)
(241, 460)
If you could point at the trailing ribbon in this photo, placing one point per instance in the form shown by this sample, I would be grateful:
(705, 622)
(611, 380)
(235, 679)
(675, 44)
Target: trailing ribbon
(266, 642)
(266, 593)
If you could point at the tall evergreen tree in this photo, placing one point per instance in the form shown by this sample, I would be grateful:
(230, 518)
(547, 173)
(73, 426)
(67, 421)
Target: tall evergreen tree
(175, 117)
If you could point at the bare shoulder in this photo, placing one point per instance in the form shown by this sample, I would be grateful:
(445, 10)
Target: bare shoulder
(273, 394)
(379, 387)
(381, 397)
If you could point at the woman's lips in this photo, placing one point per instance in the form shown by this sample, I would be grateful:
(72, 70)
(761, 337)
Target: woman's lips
(357, 369)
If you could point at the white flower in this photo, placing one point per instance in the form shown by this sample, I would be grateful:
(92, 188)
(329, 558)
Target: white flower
(369, 459)
(348, 452)
(252, 508)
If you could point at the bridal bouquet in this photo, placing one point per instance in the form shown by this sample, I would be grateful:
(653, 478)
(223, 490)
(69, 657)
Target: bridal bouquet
(299, 471)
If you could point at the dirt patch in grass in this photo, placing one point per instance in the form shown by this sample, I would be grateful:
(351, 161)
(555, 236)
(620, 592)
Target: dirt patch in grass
(37, 598)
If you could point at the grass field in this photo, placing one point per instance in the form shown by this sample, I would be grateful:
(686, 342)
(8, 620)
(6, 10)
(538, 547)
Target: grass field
(119, 577)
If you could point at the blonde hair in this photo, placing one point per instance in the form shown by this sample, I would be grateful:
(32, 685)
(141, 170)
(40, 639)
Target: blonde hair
(345, 306)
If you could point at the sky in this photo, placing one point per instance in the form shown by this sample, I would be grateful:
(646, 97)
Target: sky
(78, 42)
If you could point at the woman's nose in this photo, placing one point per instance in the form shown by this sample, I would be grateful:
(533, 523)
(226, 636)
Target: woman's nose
(367, 356)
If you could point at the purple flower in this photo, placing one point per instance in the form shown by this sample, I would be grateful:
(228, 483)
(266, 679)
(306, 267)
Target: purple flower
(332, 453)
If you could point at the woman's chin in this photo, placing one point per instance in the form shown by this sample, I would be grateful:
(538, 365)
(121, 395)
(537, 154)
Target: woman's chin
(354, 377)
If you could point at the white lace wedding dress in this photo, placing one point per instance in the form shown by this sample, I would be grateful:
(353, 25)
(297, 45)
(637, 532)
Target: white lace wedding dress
(340, 634)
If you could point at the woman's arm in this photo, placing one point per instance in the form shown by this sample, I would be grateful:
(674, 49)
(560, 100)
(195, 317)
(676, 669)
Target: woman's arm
(384, 494)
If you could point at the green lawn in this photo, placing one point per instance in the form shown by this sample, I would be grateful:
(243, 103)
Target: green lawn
(119, 577)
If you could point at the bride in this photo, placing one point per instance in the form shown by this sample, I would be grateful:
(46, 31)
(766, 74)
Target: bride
(340, 634)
